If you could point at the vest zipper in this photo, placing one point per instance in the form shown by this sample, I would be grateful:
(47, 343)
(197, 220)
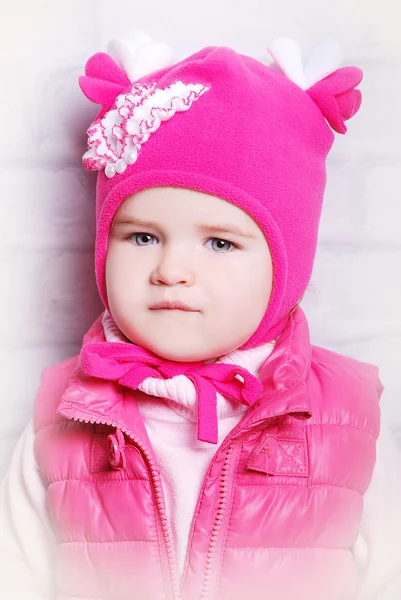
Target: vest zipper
(230, 439)
(225, 496)
(159, 496)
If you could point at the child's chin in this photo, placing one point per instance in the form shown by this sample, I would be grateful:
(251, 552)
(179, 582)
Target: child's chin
(179, 350)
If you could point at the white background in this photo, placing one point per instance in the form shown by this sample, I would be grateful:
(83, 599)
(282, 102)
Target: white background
(48, 294)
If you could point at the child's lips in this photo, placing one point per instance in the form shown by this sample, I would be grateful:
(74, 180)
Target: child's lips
(176, 305)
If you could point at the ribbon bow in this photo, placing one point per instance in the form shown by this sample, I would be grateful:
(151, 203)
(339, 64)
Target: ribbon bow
(130, 365)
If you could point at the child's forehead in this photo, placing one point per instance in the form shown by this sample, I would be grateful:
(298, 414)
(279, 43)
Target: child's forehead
(167, 201)
(180, 195)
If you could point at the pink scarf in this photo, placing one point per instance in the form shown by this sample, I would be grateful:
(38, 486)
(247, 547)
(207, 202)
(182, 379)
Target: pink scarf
(130, 365)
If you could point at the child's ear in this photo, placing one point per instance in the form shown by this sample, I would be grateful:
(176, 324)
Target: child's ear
(336, 97)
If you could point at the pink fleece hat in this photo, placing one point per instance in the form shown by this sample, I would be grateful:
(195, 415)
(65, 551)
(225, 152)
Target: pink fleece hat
(225, 124)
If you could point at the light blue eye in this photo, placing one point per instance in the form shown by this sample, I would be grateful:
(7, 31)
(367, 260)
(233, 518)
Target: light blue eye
(139, 238)
(221, 248)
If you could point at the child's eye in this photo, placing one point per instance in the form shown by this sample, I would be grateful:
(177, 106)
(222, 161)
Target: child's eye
(141, 239)
(221, 245)
(145, 239)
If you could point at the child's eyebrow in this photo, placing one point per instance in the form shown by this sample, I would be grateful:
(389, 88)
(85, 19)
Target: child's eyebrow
(233, 229)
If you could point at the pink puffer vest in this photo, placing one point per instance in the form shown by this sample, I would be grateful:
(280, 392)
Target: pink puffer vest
(280, 506)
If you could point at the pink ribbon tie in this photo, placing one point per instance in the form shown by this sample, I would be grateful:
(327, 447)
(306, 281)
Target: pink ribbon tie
(130, 365)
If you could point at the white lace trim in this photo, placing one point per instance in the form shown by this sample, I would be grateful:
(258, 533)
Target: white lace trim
(115, 139)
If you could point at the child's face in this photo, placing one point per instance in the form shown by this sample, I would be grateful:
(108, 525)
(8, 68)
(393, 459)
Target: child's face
(165, 255)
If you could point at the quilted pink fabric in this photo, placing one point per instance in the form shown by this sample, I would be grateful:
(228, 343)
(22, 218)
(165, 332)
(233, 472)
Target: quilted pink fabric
(280, 506)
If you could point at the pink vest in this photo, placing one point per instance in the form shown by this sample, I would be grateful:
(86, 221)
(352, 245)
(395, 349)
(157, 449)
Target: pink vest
(280, 506)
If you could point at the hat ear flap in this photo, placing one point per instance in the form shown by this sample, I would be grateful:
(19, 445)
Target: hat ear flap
(336, 97)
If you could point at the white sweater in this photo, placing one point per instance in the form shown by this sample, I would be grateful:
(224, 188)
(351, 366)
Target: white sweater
(27, 543)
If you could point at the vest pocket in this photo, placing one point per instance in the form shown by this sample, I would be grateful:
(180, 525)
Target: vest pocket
(276, 455)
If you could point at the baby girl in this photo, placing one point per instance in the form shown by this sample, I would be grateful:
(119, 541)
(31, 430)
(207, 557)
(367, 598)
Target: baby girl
(200, 446)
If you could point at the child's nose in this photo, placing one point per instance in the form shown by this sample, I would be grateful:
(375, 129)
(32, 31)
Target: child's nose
(174, 266)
